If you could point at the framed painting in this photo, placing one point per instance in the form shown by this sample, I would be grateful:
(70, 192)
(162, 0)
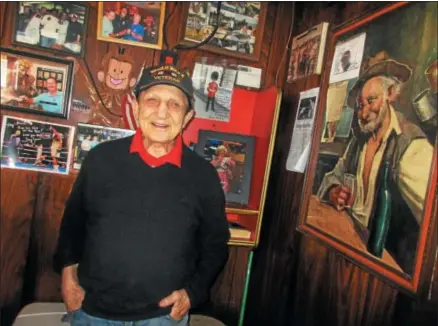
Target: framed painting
(35, 84)
(133, 23)
(35, 145)
(370, 189)
(240, 31)
(232, 156)
(55, 26)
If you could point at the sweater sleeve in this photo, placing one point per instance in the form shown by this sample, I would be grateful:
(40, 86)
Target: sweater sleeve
(213, 237)
(72, 231)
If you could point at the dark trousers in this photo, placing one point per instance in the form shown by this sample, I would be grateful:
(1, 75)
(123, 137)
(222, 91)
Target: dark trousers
(210, 100)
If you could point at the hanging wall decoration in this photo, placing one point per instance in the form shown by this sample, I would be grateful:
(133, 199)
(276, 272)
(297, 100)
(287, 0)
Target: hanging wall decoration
(371, 183)
(35, 145)
(131, 23)
(89, 136)
(116, 79)
(35, 84)
(240, 31)
(54, 26)
(232, 156)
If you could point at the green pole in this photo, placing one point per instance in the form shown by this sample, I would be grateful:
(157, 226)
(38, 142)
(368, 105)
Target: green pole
(245, 289)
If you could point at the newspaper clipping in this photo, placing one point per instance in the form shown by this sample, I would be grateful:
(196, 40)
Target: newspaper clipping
(302, 132)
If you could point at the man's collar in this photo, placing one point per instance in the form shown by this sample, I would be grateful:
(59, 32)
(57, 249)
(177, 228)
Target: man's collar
(173, 157)
(394, 124)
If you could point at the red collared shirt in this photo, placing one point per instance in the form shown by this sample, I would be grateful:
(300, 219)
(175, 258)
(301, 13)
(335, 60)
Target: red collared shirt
(173, 157)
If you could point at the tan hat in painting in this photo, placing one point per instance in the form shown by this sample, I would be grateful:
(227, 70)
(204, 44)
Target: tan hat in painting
(379, 65)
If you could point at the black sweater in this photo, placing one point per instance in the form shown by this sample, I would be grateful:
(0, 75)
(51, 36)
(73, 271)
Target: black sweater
(139, 233)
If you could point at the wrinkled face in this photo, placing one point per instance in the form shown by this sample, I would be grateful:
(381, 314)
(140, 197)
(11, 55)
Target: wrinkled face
(162, 113)
(51, 85)
(118, 74)
(373, 105)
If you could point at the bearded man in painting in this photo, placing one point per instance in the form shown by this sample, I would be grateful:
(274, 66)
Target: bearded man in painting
(383, 135)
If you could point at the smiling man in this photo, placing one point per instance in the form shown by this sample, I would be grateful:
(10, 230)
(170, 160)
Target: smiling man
(50, 101)
(144, 232)
(382, 136)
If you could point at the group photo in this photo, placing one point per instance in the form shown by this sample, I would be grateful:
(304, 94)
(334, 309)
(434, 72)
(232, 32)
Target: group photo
(134, 23)
(51, 25)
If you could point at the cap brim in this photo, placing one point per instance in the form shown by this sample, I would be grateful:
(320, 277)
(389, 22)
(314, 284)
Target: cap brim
(165, 82)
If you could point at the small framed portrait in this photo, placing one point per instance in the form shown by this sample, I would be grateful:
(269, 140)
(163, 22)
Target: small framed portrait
(89, 136)
(35, 84)
(232, 156)
(35, 145)
(132, 23)
(51, 25)
(240, 31)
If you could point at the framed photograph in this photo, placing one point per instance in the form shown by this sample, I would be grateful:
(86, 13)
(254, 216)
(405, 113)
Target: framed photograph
(35, 145)
(240, 31)
(34, 83)
(213, 89)
(132, 23)
(52, 25)
(370, 190)
(232, 156)
(89, 136)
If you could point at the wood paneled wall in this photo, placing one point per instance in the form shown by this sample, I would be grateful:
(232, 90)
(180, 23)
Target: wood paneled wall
(297, 280)
(32, 203)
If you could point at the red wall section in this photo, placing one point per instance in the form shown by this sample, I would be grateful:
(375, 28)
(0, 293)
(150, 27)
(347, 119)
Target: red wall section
(241, 116)
(252, 113)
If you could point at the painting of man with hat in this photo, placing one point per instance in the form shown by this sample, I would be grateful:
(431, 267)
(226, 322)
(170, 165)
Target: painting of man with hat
(383, 134)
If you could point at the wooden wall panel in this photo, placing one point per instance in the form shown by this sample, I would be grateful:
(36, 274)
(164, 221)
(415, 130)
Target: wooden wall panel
(40, 281)
(17, 205)
(297, 280)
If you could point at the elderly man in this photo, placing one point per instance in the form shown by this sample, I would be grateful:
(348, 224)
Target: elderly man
(145, 221)
(383, 135)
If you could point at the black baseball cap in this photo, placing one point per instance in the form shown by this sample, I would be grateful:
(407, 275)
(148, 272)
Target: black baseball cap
(165, 75)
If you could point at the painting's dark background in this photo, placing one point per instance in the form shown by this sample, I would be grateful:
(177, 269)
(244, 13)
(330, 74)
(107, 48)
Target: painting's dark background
(295, 280)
